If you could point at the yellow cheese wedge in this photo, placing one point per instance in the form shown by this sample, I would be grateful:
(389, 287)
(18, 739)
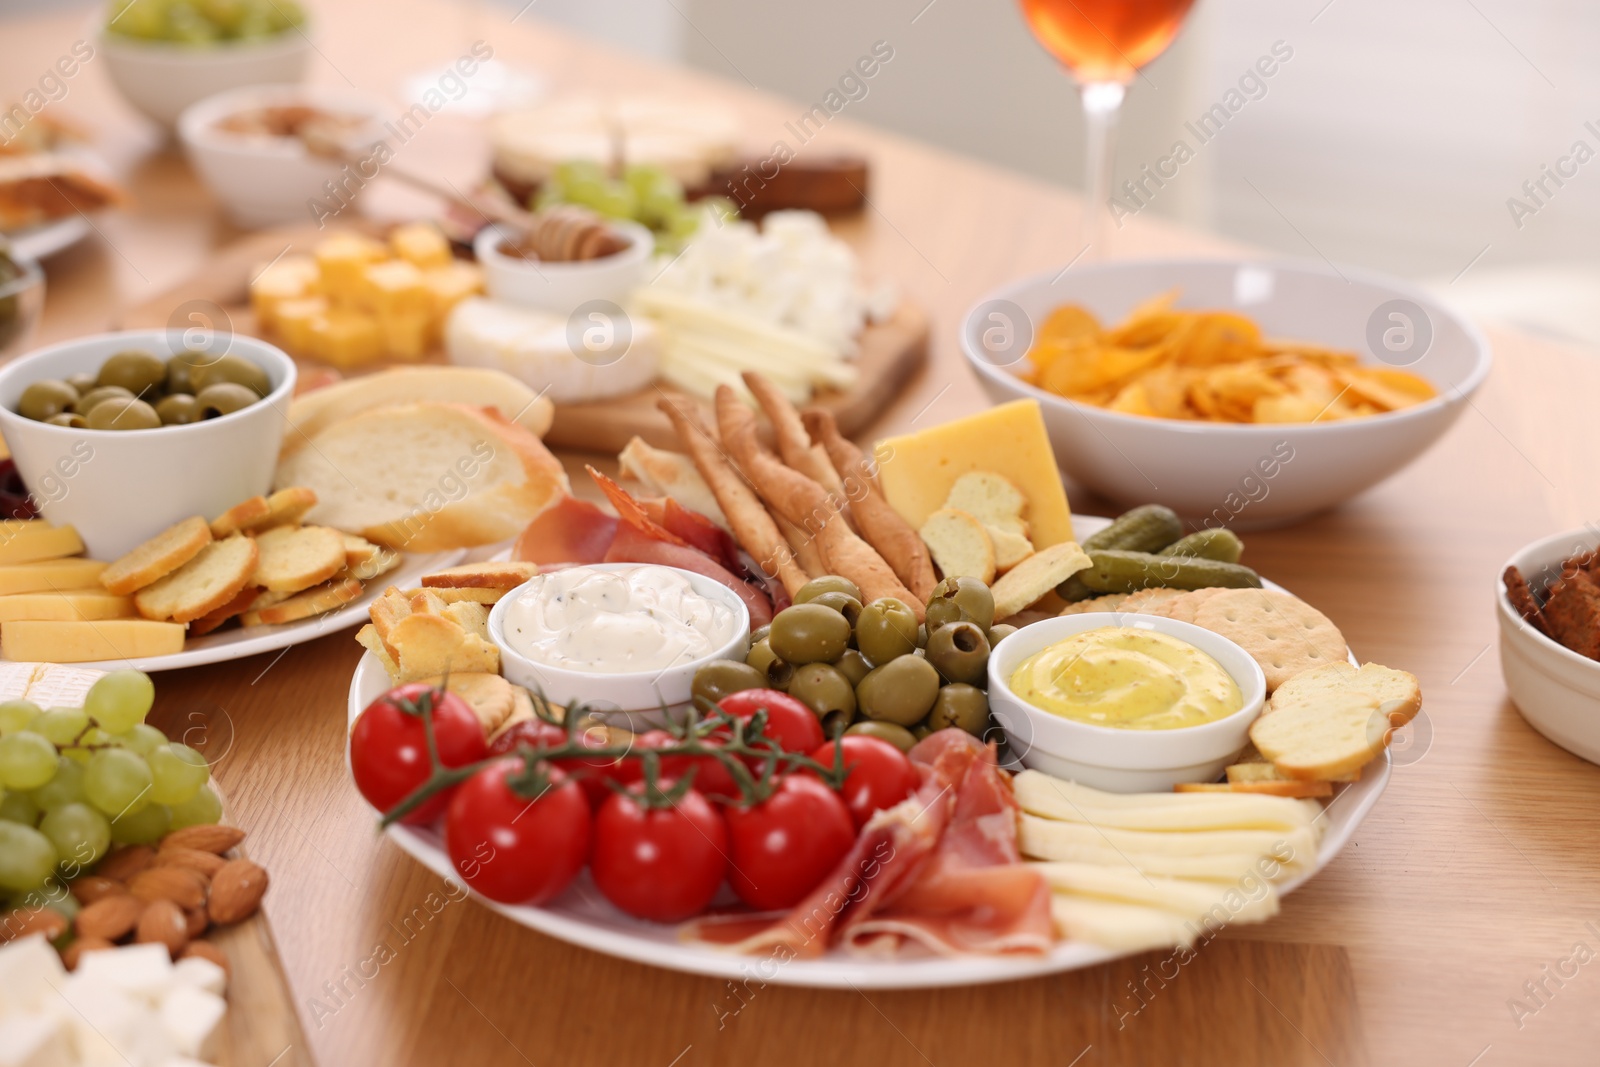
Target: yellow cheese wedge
(50, 576)
(32, 540)
(66, 606)
(82, 642)
(917, 470)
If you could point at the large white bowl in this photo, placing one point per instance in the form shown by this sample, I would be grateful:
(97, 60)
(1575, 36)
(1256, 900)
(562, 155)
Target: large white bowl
(265, 181)
(1238, 475)
(1557, 690)
(1107, 757)
(562, 287)
(122, 487)
(162, 78)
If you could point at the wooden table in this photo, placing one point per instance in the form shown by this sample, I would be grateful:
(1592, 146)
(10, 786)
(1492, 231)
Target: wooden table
(1476, 874)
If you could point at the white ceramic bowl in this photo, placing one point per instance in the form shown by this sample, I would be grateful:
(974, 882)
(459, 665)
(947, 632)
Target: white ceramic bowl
(1106, 757)
(1242, 476)
(265, 181)
(639, 695)
(1557, 690)
(161, 78)
(562, 287)
(122, 487)
(21, 301)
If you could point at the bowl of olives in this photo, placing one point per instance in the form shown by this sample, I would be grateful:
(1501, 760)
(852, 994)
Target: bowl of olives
(122, 434)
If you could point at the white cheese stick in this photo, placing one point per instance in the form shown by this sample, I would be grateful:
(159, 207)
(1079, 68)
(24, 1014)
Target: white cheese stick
(1188, 899)
(1038, 839)
(1293, 850)
(1054, 798)
(1122, 927)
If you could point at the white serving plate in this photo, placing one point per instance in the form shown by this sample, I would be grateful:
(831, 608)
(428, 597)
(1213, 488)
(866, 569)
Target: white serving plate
(41, 242)
(239, 642)
(581, 916)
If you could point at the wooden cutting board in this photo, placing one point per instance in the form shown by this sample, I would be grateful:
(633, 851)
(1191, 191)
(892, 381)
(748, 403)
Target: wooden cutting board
(216, 297)
(262, 1026)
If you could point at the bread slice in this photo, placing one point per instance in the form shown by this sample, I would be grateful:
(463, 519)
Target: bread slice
(1316, 741)
(286, 507)
(959, 545)
(423, 645)
(241, 516)
(207, 582)
(1010, 547)
(213, 620)
(157, 557)
(991, 499)
(1398, 693)
(426, 477)
(298, 557)
(1271, 789)
(452, 594)
(497, 574)
(476, 387)
(314, 601)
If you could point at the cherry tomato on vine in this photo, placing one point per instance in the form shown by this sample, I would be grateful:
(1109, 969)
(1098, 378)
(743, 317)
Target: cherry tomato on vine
(389, 746)
(660, 864)
(790, 724)
(591, 774)
(514, 845)
(878, 775)
(711, 777)
(782, 847)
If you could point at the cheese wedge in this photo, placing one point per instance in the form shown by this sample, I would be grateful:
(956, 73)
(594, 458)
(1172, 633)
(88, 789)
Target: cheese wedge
(86, 642)
(65, 607)
(31, 540)
(57, 686)
(50, 576)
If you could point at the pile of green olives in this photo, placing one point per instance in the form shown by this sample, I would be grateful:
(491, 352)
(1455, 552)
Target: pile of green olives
(872, 668)
(137, 390)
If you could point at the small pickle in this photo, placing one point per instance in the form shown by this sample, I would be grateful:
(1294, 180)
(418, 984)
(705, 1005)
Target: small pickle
(842, 602)
(901, 691)
(959, 651)
(809, 633)
(965, 707)
(1220, 544)
(853, 665)
(895, 734)
(886, 630)
(122, 413)
(823, 690)
(723, 676)
(45, 399)
(828, 583)
(1128, 572)
(1147, 528)
(962, 599)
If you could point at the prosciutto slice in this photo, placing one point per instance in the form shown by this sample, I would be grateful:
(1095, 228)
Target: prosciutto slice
(568, 531)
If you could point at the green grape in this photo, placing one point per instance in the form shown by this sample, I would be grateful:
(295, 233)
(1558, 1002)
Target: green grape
(142, 739)
(65, 788)
(19, 808)
(119, 701)
(143, 827)
(27, 857)
(83, 751)
(177, 773)
(80, 834)
(61, 726)
(202, 809)
(225, 14)
(27, 761)
(286, 13)
(16, 715)
(117, 782)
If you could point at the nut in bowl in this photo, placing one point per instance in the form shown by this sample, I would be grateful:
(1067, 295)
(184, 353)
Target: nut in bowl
(1238, 474)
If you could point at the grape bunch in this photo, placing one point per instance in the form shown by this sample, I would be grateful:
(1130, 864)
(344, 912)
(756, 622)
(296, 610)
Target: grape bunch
(77, 780)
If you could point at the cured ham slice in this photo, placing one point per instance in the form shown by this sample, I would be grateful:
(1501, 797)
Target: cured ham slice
(568, 531)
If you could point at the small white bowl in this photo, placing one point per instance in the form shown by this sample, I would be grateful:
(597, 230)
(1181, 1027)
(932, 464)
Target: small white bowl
(1242, 476)
(161, 78)
(25, 295)
(562, 287)
(1107, 757)
(638, 695)
(119, 488)
(1557, 690)
(266, 181)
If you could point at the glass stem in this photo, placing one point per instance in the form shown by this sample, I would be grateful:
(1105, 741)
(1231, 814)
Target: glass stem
(1102, 106)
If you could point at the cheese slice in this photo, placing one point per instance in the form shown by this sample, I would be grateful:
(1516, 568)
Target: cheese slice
(66, 606)
(916, 471)
(83, 642)
(32, 540)
(51, 575)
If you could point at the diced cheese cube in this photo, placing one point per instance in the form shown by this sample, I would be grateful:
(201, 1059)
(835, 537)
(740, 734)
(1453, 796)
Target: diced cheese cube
(200, 973)
(55, 685)
(77, 604)
(143, 971)
(452, 283)
(30, 970)
(112, 1027)
(420, 243)
(393, 288)
(294, 320)
(346, 338)
(31, 541)
(341, 260)
(407, 336)
(90, 642)
(50, 575)
(289, 277)
(193, 1019)
(38, 1040)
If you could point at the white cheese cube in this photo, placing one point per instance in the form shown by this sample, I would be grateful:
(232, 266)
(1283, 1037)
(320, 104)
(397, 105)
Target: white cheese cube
(110, 1026)
(142, 971)
(193, 1019)
(39, 1040)
(30, 970)
(200, 974)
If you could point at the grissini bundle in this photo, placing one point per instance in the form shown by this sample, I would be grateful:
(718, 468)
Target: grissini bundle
(794, 443)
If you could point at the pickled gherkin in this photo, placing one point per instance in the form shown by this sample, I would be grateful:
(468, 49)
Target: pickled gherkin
(1128, 572)
(1147, 528)
(1218, 544)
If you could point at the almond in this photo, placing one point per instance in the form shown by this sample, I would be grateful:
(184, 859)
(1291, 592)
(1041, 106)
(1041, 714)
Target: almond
(207, 951)
(124, 863)
(184, 887)
(207, 863)
(163, 921)
(24, 921)
(214, 838)
(74, 952)
(110, 918)
(236, 891)
(93, 887)
(197, 920)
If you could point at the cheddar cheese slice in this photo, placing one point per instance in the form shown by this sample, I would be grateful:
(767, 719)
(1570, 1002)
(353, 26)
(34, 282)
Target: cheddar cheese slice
(85, 642)
(31, 540)
(50, 575)
(77, 604)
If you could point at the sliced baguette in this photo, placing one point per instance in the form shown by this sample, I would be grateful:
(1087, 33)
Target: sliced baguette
(298, 557)
(991, 499)
(1398, 693)
(207, 582)
(157, 557)
(959, 545)
(1323, 739)
(314, 412)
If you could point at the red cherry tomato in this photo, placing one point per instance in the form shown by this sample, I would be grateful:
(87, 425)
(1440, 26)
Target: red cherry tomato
(878, 774)
(389, 747)
(591, 774)
(790, 724)
(535, 733)
(782, 847)
(660, 864)
(711, 777)
(512, 848)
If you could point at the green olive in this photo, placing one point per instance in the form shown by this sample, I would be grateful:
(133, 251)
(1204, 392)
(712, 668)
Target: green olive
(122, 413)
(886, 630)
(823, 690)
(760, 656)
(83, 381)
(180, 369)
(723, 676)
(835, 723)
(223, 398)
(894, 733)
(960, 652)
(901, 691)
(962, 599)
(179, 409)
(759, 634)
(137, 372)
(843, 603)
(67, 418)
(232, 369)
(88, 401)
(999, 632)
(922, 635)
(965, 707)
(46, 398)
(853, 665)
(809, 633)
(921, 731)
(828, 583)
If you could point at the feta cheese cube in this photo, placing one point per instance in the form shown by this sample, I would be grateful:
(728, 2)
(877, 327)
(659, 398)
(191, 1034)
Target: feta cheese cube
(112, 1027)
(199, 973)
(30, 971)
(40, 1040)
(193, 1019)
(142, 971)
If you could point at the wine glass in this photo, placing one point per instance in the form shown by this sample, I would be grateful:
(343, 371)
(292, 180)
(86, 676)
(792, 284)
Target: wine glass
(1104, 43)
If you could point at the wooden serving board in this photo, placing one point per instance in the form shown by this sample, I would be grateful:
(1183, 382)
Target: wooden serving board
(217, 297)
(262, 1026)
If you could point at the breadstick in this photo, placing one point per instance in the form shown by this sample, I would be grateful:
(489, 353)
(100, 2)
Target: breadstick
(880, 524)
(754, 529)
(794, 443)
(805, 503)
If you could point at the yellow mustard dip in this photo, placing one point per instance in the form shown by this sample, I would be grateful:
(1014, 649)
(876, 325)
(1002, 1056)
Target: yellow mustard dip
(1132, 679)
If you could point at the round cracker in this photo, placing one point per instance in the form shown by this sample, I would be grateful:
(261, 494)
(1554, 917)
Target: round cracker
(1282, 633)
(1183, 608)
(157, 557)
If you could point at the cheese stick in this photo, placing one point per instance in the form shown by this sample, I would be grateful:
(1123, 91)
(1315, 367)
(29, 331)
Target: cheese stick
(1054, 798)
(1038, 839)
(1189, 899)
(1118, 926)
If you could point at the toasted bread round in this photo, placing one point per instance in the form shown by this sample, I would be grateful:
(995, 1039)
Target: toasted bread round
(959, 545)
(241, 516)
(214, 619)
(298, 557)
(1398, 693)
(157, 557)
(311, 602)
(497, 574)
(207, 582)
(286, 507)
(1325, 738)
